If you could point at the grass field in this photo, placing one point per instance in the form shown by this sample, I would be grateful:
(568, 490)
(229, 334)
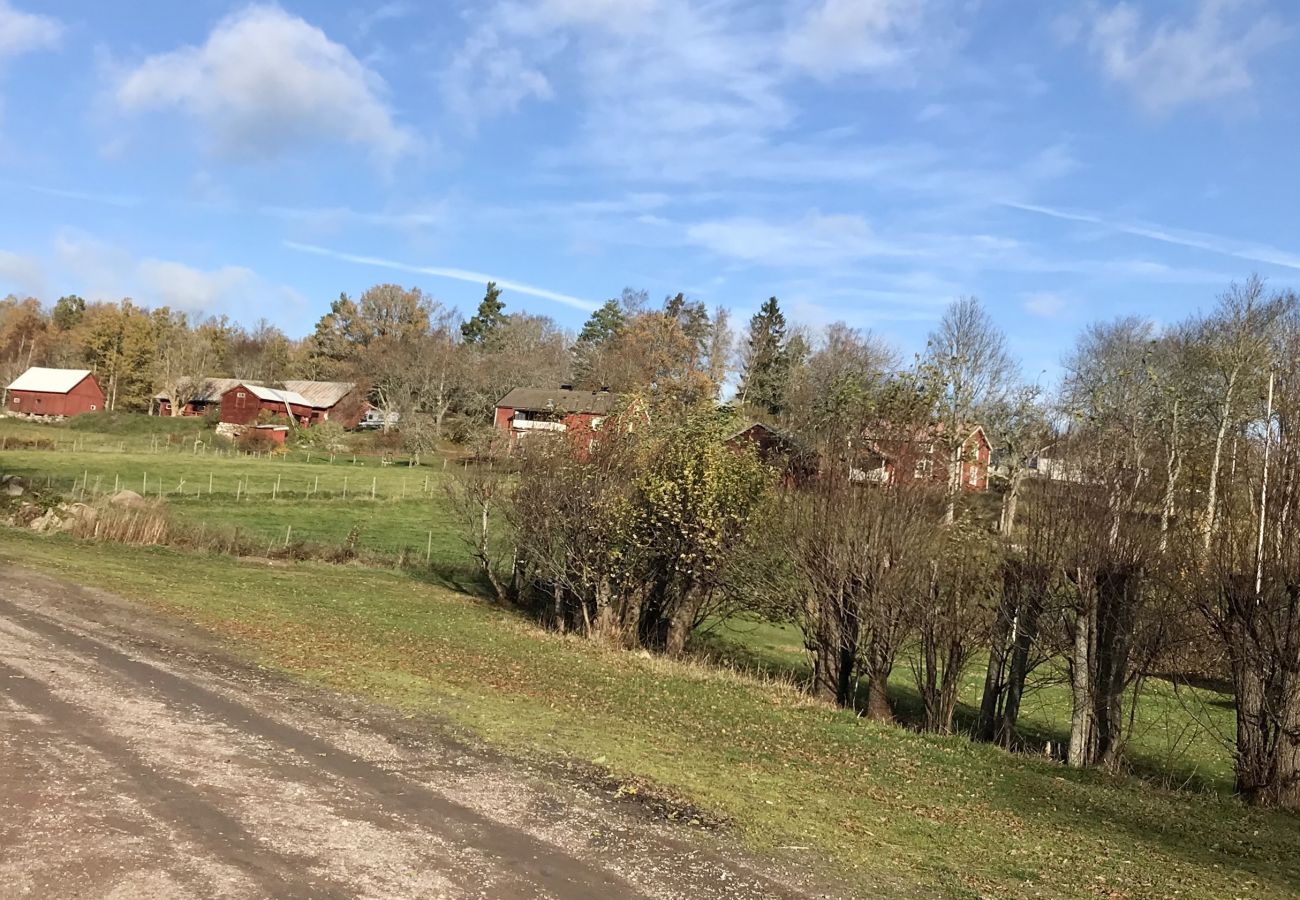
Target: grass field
(900, 813)
(309, 495)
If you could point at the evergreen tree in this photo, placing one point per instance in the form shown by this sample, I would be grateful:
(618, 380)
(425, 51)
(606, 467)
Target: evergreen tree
(481, 330)
(605, 323)
(765, 382)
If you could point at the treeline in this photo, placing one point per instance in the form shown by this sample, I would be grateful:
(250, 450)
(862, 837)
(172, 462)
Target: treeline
(1142, 523)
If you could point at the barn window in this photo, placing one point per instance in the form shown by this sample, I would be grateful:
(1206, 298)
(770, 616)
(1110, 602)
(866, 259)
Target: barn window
(17, 400)
(240, 395)
(974, 476)
(92, 407)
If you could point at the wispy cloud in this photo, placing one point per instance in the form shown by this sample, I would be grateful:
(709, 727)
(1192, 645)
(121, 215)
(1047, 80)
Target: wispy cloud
(1193, 239)
(1045, 305)
(1176, 63)
(124, 201)
(444, 272)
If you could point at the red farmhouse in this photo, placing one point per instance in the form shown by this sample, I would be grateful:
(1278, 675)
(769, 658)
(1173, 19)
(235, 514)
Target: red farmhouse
(926, 457)
(54, 392)
(243, 403)
(527, 411)
(208, 395)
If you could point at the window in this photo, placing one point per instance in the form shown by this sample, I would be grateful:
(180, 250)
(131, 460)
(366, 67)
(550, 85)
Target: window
(17, 400)
(923, 468)
(92, 407)
(240, 395)
(974, 476)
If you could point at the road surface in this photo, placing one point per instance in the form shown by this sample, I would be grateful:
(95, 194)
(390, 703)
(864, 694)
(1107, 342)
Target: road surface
(138, 760)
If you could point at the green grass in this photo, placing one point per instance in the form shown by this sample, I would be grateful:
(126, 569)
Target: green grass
(1182, 735)
(899, 813)
(319, 497)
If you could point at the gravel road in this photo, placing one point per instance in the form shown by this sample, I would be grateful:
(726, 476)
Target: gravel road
(138, 759)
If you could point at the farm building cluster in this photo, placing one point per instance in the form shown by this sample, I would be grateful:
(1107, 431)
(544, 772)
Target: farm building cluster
(239, 404)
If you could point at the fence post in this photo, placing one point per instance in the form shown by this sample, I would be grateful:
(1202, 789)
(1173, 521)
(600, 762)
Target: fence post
(115, 482)
(288, 530)
(209, 484)
(428, 550)
(345, 487)
(373, 481)
(239, 489)
(275, 491)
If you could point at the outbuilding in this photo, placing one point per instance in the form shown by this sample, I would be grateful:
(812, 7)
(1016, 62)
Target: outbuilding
(54, 392)
(528, 411)
(334, 401)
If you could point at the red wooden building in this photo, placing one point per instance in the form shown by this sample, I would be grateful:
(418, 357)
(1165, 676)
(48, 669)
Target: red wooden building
(245, 402)
(207, 395)
(54, 392)
(527, 411)
(335, 401)
(926, 456)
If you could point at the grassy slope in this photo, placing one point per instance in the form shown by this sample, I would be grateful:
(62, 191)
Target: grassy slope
(1182, 735)
(888, 806)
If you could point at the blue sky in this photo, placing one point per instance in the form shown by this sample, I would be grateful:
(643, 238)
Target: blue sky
(864, 160)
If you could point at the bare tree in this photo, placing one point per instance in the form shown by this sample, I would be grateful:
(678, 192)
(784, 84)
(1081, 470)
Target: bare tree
(967, 356)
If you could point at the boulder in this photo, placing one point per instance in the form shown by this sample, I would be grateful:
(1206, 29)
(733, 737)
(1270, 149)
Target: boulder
(50, 521)
(14, 485)
(128, 499)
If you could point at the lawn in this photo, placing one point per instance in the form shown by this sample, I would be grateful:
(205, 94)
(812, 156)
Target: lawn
(899, 813)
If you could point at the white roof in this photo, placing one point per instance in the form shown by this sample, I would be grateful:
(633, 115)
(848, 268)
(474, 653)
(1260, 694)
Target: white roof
(49, 381)
(275, 395)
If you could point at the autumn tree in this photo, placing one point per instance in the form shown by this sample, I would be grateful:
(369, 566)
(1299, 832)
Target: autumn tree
(182, 360)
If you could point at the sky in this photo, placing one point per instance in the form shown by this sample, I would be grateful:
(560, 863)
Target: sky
(863, 160)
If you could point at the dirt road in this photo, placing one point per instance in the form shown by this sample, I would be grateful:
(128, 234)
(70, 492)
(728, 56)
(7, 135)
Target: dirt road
(139, 760)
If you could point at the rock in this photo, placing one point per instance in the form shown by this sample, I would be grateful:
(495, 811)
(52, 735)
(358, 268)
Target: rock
(82, 512)
(50, 521)
(14, 485)
(128, 499)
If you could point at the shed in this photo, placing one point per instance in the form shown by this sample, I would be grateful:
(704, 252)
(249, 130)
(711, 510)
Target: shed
(54, 392)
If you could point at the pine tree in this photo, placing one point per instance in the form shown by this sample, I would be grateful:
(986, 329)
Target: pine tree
(766, 379)
(480, 330)
(605, 323)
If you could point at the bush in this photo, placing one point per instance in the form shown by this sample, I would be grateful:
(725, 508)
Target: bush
(327, 435)
(256, 441)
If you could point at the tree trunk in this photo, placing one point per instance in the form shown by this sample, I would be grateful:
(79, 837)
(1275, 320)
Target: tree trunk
(835, 640)
(1212, 490)
(879, 665)
(1081, 724)
(1010, 501)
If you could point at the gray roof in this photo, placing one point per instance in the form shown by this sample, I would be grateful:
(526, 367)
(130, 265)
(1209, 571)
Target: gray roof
(210, 390)
(49, 381)
(564, 400)
(321, 394)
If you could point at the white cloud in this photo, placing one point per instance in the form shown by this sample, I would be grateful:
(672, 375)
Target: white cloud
(1195, 240)
(22, 32)
(266, 81)
(98, 269)
(488, 77)
(1177, 63)
(20, 273)
(838, 37)
(443, 272)
(1044, 305)
(179, 286)
(815, 240)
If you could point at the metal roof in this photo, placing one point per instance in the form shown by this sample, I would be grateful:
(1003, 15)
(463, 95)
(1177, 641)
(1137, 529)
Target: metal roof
(559, 399)
(274, 395)
(321, 394)
(49, 381)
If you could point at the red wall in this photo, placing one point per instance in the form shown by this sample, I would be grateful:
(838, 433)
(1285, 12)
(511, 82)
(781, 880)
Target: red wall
(85, 397)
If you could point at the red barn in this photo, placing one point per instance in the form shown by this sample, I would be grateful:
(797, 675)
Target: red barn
(54, 392)
(243, 403)
(335, 401)
(925, 456)
(528, 411)
(207, 395)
